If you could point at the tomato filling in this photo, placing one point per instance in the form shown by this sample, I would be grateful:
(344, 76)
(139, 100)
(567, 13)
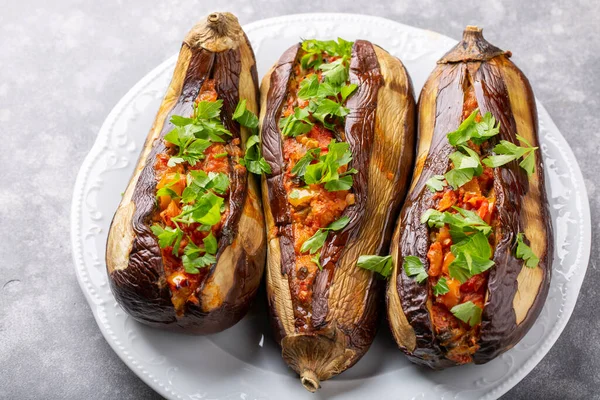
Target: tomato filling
(183, 284)
(312, 206)
(477, 195)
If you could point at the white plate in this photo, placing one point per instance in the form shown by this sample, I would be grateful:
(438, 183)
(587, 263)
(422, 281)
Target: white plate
(243, 362)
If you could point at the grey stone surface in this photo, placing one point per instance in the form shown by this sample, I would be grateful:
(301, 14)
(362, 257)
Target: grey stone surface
(63, 65)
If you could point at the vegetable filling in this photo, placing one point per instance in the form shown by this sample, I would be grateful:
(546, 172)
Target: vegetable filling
(317, 179)
(193, 187)
(464, 230)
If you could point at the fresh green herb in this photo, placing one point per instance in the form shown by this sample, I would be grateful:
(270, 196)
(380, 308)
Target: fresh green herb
(335, 72)
(253, 159)
(316, 241)
(168, 237)
(467, 312)
(193, 136)
(199, 182)
(167, 191)
(206, 210)
(525, 253)
(326, 169)
(309, 87)
(244, 116)
(192, 260)
(507, 152)
(435, 183)
(296, 124)
(210, 244)
(466, 165)
(347, 90)
(414, 268)
(317, 260)
(326, 109)
(311, 155)
(441, 287)
(221, 155)
(469, 233)
(477, 132)
(380, 264)
(461, 223)
(315, 48)
(472, 257)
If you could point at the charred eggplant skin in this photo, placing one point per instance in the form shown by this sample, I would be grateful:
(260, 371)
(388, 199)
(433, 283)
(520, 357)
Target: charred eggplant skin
(516, 294)
(216, 48)
(380, 132)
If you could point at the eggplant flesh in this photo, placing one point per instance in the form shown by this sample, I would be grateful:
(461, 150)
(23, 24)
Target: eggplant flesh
(380, 131)
(515, 293)
(217, 49)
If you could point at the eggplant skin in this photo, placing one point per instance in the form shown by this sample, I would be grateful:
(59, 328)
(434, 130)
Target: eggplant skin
(216, 47)
(516, 294)
(380, 131)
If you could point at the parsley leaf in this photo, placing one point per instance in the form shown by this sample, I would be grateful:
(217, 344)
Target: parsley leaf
(466, 165)
(347, 90)
(525, 253)
(300, 167)
(192, 260)
(467, 312)
(253, 159)
(210, 244)
(296, 124)
(414, 268)
(326, 169)
(244, 116)
(506, 152)
(168, 237)
(477, 132)
(441, 287)
(309, 87)
(316, 241)
(335, 72)
(472, 257)
(379, 264)
(435, 183)
(317, 260)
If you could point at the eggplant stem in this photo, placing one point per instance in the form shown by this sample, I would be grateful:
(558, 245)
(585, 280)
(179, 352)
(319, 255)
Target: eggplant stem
(309, 380)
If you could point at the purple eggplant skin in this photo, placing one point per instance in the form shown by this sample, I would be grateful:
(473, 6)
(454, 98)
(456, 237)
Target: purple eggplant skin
(215, 48)
(346, 298)
(515, 293)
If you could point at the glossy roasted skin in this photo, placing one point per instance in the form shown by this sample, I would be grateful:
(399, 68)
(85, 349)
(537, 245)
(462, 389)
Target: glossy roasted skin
(474, 71)
(215, 61)
(343, 297)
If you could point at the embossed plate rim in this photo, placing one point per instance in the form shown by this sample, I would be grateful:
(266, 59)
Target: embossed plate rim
(102, 144)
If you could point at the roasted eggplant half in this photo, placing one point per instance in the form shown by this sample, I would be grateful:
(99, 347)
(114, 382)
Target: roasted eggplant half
(473, 247)
(337, 126)
(187, 245)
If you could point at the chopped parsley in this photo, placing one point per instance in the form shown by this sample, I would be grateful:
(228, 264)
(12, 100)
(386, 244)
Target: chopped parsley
(413, 266)
(325, 170)
(316, 241)
(467, 312)
(380, 264)
(525, 253)
(435, 183)
(441, 287)
(253, 159)
(506, 152)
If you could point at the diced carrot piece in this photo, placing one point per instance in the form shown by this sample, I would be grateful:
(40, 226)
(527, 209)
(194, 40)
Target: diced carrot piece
(447, 201)
(435, 257)
(448, 258)
(444, 236)
(451, 298)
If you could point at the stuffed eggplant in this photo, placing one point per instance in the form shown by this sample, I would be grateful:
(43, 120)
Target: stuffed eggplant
(473, 246)
(187, 245)
(337, 126)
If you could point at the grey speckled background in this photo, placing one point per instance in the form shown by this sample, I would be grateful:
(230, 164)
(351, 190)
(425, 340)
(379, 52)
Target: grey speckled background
(63, 66)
